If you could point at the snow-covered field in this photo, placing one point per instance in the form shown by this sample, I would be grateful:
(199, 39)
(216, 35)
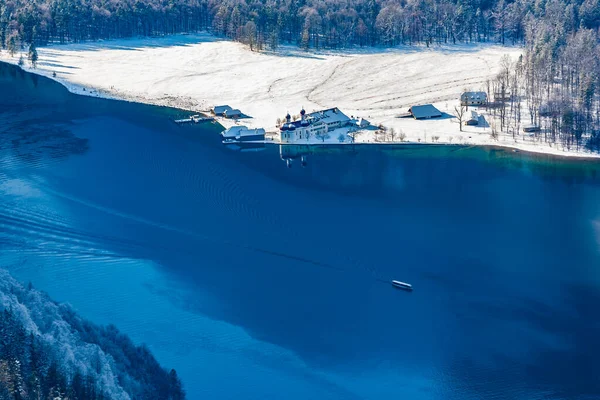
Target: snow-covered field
(196, 72)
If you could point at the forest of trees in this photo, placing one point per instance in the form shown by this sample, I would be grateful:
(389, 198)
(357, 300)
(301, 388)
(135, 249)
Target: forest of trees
(48, 352)
(558, 78)
(308, 23)
(554, 87)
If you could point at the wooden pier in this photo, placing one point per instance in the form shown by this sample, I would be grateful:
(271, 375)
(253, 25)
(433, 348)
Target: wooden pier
(194, 119)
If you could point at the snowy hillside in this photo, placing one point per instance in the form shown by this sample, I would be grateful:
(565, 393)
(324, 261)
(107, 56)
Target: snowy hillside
(197, 72)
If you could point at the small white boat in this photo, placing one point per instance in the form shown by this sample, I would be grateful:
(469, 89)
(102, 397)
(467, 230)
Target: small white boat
(402, 285)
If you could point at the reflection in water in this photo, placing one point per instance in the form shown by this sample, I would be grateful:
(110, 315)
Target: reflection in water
(244, 147)
(290, 153)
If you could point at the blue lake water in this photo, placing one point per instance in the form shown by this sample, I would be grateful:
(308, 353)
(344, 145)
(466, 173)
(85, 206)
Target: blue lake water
(259, 281)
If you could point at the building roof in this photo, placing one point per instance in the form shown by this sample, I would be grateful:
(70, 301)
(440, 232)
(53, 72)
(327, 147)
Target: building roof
(234, 130)
(530, 128)
(292, 125)
(289, 126)
(425, 111)
(221, 109)
(329, 116)
(362, 122)
(240, 130)
(474, 95)
(232, 111)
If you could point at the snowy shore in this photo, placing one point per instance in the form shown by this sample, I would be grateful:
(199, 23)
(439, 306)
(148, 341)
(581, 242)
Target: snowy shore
(196, 72)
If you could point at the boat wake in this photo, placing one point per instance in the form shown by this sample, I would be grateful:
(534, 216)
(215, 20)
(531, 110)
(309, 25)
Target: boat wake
(45, 232)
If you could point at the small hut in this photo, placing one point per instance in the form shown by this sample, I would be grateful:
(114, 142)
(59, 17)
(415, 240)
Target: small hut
(473, 120)
(531, 128)
(232, 113)
(220, 110)
(424, 111)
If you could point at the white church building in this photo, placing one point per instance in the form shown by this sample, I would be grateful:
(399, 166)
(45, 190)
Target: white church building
(312, 125)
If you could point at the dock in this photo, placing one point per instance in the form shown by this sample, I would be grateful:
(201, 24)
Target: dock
(194, 119)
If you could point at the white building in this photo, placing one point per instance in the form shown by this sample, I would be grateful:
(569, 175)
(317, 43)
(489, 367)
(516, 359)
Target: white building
(220, 110)
(311, 125)
(240, 133)
(473, 98)
(232, 113)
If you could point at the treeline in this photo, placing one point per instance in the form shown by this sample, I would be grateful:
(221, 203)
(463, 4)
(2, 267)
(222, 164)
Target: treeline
(48, 352)
(308, 23)
(562, 81)
(553, 91)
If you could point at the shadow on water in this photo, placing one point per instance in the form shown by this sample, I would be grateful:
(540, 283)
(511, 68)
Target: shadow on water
(40, 114)
(31, 124)
(300, 257)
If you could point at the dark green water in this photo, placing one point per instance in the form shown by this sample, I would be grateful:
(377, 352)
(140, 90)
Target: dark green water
(258, 281)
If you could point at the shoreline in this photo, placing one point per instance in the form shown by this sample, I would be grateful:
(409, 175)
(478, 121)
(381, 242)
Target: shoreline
(413, 128)
(507, 148)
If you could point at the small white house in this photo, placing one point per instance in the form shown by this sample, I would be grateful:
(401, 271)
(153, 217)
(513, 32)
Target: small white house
(241, 133)
(473, 120)
(232, 113)
(220, 110)
(473, 98)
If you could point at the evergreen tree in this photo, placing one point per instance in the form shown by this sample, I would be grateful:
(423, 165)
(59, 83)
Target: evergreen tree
(12, 44)
(32, 56)
(175, 386)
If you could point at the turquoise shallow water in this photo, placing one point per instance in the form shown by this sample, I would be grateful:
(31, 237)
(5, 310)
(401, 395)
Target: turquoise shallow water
(253, 279)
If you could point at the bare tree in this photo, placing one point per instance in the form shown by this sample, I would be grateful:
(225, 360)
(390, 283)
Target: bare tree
(250, 34)
(460, 112)
(352, 135)
(383, 131)
(488, 86)
(494, 135)
(392, 134)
